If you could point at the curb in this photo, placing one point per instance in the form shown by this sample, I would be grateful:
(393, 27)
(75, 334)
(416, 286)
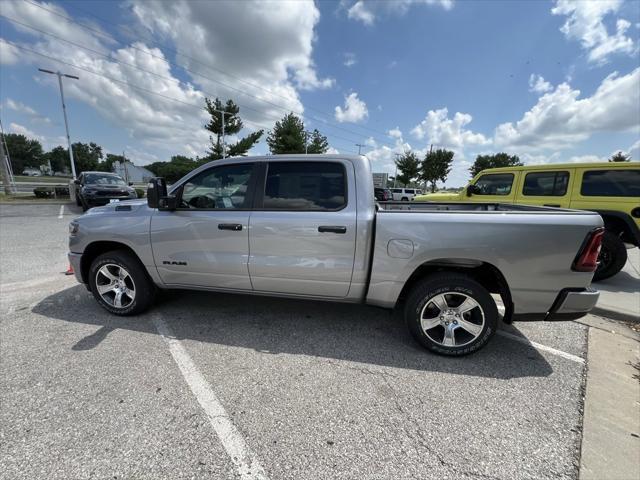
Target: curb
(615, 315)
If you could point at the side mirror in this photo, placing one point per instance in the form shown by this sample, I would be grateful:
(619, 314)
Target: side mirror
(131, 184)
(156, 189)
(76, 181)
(472, 190)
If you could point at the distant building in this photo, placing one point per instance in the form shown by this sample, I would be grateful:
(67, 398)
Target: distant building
(132, 173)
(380, 180)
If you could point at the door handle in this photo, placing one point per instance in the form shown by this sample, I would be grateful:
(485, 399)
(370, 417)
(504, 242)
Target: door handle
(332, 229)
(236, 227)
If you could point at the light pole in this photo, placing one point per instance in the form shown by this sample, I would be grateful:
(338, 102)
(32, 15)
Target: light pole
(64, 113)
(359, 145)
(224, 145)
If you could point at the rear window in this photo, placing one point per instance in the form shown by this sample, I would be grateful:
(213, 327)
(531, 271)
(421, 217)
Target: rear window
(305, 186)
(611, 183)
(546, 184)
(495, 184)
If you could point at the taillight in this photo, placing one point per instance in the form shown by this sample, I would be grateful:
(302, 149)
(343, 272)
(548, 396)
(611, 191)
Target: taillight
(587, 258)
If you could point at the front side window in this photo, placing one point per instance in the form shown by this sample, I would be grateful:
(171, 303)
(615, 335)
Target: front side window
(219, 187)
(611, 183)
(305, 186)
(546, 184)
(494, 184)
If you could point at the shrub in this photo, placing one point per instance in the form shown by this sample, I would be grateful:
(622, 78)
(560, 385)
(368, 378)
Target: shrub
(140, 192)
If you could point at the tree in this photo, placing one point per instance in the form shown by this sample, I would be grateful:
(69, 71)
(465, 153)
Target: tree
(232, 125)
(86, 156)
(175, 169)
(58, 157)
(408, 168)
(318, 144)
(494, 161)
(620, 157)
(24, 152)
(287, 136)
(110, 159)
(436, 166)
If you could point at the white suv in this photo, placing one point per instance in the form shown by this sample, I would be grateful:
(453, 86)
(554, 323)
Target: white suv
(405, 194)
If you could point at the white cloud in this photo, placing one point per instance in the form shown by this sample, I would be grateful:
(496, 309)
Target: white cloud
(585, 23)
(586, 159)
(333, 151)
(365, 11)
(22, 130)
(634, 151)
(267, 52)
(360, 12)
(355, 110)
(442, 131)
(9, 55)
(350, 59)
(538, 84)
(395, 133)
(27, 110)
(559, 119)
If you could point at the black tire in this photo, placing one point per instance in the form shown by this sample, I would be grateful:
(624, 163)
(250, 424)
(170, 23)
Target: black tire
(613, 256)
(455, 285)
(142, 284)
(404, 199)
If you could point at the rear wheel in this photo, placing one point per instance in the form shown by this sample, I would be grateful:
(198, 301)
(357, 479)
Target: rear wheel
(120, 284)
(451, 314)
(613, 256)
(404, 199)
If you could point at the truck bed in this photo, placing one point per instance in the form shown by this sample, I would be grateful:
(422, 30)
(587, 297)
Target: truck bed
(469, 207)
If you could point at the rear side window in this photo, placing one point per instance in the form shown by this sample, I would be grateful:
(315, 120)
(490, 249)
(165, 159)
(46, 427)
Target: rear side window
(305, 186)
(409, 191)
(396, 190)
(546, 184)
(495, 184)
(611, 183)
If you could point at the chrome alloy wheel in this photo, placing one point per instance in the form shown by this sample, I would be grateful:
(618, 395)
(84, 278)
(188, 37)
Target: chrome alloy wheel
(115, 285)
(452, 319)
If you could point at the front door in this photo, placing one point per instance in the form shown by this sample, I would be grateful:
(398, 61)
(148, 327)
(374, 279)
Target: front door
(205, 242)
(495, 188)
(303, 231)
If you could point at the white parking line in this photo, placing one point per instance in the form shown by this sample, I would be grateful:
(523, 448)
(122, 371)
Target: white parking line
(232, 440)
(61, 211)
(544, 348)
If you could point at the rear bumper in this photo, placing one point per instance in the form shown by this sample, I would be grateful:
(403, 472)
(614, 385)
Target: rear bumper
(75, 260)
(570, 304)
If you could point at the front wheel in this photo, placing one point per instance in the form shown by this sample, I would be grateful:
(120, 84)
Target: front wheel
(613, 256)
(120, 284)
(451, 314)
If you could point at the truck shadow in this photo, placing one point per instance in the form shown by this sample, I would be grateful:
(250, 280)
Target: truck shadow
(354, 333)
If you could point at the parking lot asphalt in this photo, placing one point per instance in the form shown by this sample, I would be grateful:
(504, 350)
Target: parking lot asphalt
(309, 389)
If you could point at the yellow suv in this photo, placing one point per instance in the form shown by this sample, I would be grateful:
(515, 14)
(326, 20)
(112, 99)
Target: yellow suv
(611, 189)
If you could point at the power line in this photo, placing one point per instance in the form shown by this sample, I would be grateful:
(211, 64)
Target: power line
(242, 92)
(115, 60)
(122, 82)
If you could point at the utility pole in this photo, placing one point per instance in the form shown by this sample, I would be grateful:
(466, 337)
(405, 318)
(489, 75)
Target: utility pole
(359, 145)
(4, 170)
(306, 142)
(7, 157)
(224, 145)
(126, 170)
(395, 177)
(64, 113)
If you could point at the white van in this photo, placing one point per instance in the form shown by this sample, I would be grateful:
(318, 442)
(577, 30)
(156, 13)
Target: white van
(404, 194)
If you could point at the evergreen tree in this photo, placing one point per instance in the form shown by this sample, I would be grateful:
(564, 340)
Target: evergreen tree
(232, 125)
(318, 143)
(287, 136)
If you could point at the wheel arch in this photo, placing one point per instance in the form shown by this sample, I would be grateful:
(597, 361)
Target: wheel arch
(621, 224)
(94, 249)
(486, 274)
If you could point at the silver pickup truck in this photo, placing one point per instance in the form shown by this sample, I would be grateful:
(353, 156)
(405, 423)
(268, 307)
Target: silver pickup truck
(307, 226)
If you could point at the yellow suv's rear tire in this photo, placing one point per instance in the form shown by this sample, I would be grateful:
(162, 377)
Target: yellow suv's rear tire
(613, 256)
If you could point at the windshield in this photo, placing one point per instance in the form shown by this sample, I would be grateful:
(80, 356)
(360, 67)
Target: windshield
(97, 179)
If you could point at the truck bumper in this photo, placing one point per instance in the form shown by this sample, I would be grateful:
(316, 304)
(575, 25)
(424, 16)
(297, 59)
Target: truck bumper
(570, 304)
(74, 261)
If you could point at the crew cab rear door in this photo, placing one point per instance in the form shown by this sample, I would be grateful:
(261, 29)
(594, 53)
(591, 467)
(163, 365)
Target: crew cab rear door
(303, 228)
(205, 241)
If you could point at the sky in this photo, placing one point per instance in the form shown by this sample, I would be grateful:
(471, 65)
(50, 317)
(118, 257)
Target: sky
(549, 81)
